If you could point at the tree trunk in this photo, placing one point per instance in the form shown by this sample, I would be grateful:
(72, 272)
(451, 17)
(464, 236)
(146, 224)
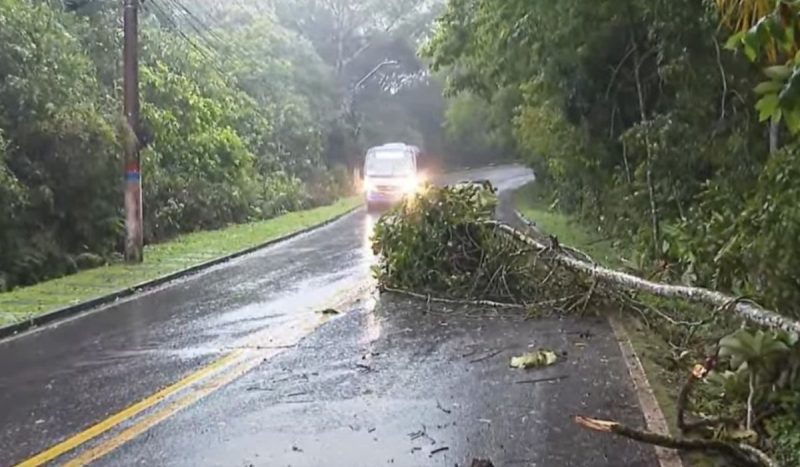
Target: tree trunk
(746, 309)
(774, 136)
(651, 192)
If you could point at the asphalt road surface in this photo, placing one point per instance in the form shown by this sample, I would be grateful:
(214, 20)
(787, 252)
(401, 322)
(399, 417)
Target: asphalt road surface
(238, 366)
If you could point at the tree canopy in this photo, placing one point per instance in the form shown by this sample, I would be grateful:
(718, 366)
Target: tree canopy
(641, 119)
(253, 107)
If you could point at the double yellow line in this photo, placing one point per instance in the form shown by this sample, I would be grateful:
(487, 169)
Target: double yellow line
(128, 413)
(219, 373)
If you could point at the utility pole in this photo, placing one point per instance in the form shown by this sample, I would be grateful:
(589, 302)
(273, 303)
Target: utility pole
(134, 239)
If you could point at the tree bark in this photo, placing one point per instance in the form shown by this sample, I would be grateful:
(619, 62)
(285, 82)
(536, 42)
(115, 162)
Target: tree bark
(638, 60)
(774, 136)
(742, 454)
(745, 309)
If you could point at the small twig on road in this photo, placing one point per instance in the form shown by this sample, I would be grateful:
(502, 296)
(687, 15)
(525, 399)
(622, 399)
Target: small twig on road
(438, 450)
(423, 433)
(470, 353)
(439, 406)
(431, 299)
(366, 368)
(258, 388)
(295, 394)
(542, 380)
(487, 357)
(260, 347)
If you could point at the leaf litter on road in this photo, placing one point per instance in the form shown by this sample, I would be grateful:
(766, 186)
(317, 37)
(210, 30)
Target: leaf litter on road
(537, 359)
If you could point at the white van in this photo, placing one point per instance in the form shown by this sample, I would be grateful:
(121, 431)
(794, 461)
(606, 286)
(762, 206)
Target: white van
(390, 172)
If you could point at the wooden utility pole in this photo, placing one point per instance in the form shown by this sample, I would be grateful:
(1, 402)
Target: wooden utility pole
(134, 239)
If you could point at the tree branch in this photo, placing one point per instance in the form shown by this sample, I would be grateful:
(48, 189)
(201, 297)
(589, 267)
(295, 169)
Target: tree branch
(742, 454)
(747, 310)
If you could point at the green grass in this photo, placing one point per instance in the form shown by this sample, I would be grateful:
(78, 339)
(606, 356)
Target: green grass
(534, 205)
(160, 259)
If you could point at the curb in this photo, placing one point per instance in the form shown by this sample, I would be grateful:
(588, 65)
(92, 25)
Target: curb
(72, 310)
(651, 410)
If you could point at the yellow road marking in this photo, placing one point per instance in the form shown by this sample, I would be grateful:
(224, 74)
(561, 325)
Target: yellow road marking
(228, 362)
(125, 414)
(154, 419)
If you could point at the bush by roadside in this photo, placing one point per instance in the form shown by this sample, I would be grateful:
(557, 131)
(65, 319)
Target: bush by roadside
(160, 259)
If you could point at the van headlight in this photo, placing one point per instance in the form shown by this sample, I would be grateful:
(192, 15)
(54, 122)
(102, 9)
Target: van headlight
(410, 185)
(369, 185)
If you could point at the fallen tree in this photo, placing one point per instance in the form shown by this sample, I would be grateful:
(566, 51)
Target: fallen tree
(444, 246)
(747, 309)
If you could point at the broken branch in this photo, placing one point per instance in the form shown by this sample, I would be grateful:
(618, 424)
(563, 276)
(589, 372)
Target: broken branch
(740, 453)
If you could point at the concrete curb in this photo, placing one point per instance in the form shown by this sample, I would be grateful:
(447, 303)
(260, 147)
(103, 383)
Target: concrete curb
(651, 410)
(73, 310)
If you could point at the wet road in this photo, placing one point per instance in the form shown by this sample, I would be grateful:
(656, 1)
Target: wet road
(236, 366)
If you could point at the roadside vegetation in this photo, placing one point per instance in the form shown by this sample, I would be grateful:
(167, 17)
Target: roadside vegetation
(249, 110)
(728, 370)
(668, 337)
(181, 252)
(667, 129)
(651, 120)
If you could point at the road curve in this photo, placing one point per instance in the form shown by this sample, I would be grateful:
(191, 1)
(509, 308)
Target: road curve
(234, 366)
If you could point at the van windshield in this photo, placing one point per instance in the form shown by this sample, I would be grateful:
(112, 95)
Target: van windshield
(389, 164)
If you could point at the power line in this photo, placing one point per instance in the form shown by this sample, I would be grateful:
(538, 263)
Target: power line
(203, 51)
(208, 52)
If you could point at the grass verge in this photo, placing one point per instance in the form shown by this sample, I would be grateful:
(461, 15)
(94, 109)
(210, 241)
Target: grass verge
(160, 259)
(531, 202)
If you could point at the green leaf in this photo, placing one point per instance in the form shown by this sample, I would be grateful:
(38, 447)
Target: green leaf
(536, 359)
(778, 72)
(735, 40)
(751, 44)
(750, 52)
(767, 106)
(792, 119)
(767, 87)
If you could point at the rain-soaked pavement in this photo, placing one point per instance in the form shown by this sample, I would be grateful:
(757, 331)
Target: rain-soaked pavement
(236, 367)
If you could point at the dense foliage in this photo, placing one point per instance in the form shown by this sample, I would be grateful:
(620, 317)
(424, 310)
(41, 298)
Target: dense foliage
(433, 242)
(639, 118)
(670, 126)
(441, 242)
(249, 113)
